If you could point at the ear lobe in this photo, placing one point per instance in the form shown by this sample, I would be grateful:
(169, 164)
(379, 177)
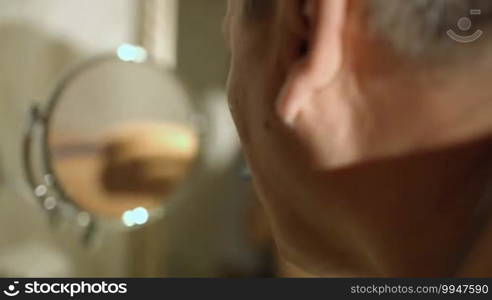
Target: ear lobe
(323, 59)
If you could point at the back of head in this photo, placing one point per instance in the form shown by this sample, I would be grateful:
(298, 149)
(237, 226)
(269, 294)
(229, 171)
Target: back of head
(422, 27)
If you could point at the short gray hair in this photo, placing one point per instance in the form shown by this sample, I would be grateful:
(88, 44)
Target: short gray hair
(419, 27)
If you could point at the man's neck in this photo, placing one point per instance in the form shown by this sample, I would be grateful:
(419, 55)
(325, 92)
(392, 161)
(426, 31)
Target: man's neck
(478, 260)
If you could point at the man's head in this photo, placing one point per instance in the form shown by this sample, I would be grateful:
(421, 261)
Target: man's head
(343, 107)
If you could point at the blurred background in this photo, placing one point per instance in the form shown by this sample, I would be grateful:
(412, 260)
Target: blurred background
(213, 227)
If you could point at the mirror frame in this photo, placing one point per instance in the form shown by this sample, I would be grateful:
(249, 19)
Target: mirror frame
(48, 191)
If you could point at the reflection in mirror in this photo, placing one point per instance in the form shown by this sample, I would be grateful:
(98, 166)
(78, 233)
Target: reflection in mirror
(121, 139)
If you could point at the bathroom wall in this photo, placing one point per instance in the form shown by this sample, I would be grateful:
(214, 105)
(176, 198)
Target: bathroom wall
(40, 39)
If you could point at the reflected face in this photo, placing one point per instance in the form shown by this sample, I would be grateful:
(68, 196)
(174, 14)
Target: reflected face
(125, 154)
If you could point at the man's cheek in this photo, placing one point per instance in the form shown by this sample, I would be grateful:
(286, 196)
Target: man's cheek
(237, 96)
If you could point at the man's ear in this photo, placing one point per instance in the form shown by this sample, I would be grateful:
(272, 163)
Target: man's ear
(322, 60)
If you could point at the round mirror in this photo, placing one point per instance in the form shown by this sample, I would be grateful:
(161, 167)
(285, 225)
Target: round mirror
(120, 138)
